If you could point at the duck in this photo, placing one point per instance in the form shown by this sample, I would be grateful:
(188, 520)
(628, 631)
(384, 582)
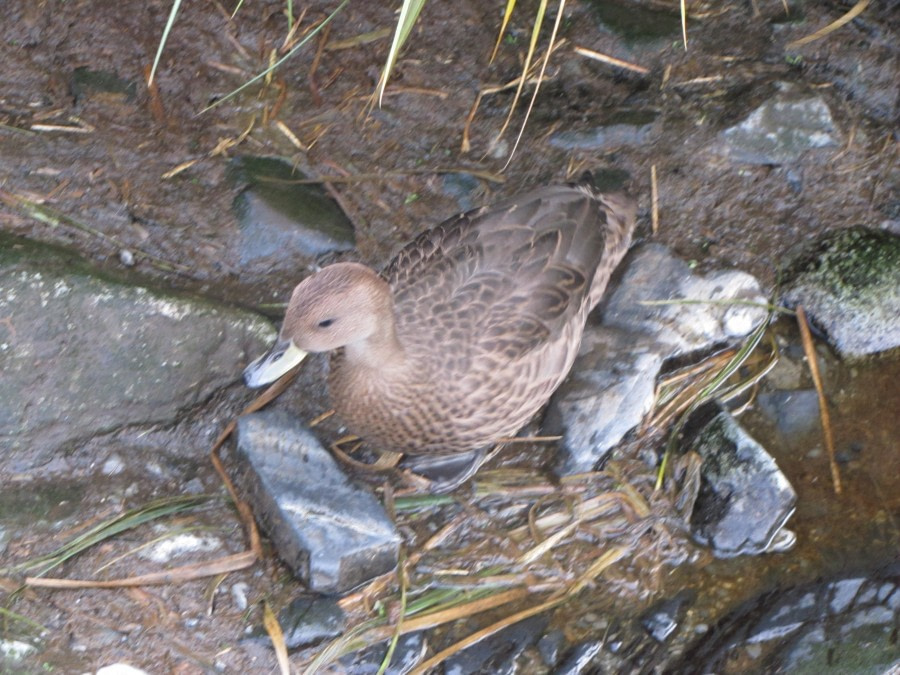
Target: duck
(464, 336)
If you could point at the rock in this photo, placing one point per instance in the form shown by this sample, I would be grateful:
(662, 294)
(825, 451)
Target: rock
(653, 274)
(605, 396)
(166, 550)
(848, 281)
(781, 129)
(636, 23)
(840, 625)
(611, 386)
(550, 646)
(13, 652)
(462, 187)
(661, 620)
(333, 534)
(280, 219)
(631, 128)
(408, 654)
(864, 70)
(86, 81)
(498, 654)
(120, 669)
(309, 620)
(744, 499)
(580, 658)
(795, 413)
(82, 355)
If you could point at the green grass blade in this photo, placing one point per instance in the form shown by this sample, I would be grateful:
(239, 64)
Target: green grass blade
(128, 520)
(510, 6)
(409, 12)
(176, 5)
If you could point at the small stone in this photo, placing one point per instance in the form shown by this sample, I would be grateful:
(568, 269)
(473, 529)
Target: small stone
(462, 187)
(15, 650)
(781, 129)
(120, 669)
(611, 386)
(661, 620)
(182, 544)
(580, 658)
(409, 653)
(605, 396)
(795, 413)
(281, 218)
(660, 296)
(744, 499)
(113, 465)
(498, 653)
(848, 282)
(310, 620)
(625, 129)
(332, 533)
(239, 595)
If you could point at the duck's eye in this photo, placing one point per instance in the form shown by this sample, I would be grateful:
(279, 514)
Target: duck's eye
(324, 323)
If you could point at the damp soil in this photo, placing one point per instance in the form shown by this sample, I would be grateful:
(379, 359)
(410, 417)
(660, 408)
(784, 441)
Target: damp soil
(83, 137)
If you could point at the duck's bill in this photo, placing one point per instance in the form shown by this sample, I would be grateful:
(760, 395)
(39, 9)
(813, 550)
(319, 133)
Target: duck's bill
(272, 365)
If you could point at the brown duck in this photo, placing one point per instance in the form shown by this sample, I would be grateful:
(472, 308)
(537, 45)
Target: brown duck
(468, 331)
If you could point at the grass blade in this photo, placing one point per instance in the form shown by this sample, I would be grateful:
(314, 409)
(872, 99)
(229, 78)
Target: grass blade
(409, 12)
(176, 5)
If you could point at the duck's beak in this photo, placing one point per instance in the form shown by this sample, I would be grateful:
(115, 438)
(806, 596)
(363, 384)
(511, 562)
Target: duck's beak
(273, 364)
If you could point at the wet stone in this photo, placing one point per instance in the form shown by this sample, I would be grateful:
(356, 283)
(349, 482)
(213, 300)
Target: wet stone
(407, 655)
(332, 533)
(82, 355)
(86, 81)
(655, 275)
(661, 620)
(120, 669)
(611, 385)
(580, 658)
(463, 187)
(630, 128)
(836, 626)
(635, 23)
(500, 653)
(605, 396)
(794, 413)
(281, 219)
(781, 129)
(310, 620)
(848, 282)
(551, 645)
(744, 500)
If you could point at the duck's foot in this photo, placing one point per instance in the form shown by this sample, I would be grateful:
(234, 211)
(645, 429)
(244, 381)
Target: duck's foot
(446, 472)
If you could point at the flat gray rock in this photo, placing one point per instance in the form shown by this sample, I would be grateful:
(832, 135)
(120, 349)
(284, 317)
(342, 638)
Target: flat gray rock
(744, 499)
(332, 533)
(630, 129)
(848, 281)
(779, 131)
(660, 296)
(282, 219)
(611, 386)
(605, 396)
(81, 355)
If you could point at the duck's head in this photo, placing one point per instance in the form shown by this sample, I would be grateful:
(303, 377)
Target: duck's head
(343, 305)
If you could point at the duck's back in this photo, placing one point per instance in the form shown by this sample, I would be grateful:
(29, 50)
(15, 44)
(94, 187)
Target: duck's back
(490, 307)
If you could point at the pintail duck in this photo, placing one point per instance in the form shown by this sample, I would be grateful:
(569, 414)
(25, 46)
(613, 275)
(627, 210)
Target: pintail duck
(468, 331)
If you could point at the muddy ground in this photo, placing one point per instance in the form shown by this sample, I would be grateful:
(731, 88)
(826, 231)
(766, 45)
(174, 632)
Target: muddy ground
(101, 156)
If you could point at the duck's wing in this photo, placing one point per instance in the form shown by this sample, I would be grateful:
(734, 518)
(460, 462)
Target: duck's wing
(504, 280)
